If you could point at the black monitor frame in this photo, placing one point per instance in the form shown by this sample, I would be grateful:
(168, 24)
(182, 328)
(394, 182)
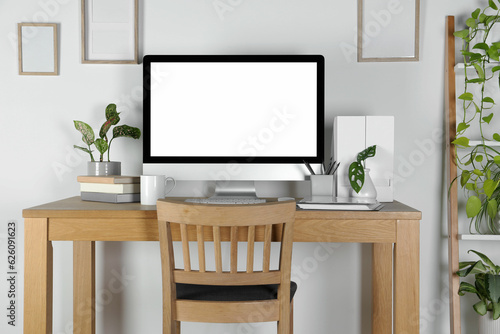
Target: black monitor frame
(148, 59)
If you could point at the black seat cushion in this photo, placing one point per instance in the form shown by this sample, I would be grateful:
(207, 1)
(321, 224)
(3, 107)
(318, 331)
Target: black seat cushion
(230, 292)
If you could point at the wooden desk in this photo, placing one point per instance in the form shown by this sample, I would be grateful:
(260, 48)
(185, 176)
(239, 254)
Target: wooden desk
(85, 222)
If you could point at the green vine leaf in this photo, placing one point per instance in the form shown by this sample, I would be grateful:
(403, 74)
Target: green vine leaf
(479, 70)
(475, 14)
(495, 69)
(496, 137)
(488, 118)
(463, 34)
(482, 17)
(356, 176)
(492, 4)
(466, 97)
(461, 141)
(473, 206)
(496, 159)
(462, 126)
(471, 22)
(488, 99)
(489, 187)
(493, 53)
(479, 158)
(492, 208)
(464, 178)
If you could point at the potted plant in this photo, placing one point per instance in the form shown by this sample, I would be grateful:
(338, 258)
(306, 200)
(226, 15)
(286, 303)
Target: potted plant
(359, 176)
(103, 144)
(486, 287)
(478, 162)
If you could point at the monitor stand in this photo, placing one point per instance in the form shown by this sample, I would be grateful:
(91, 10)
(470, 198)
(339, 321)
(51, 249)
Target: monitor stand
(235, 189)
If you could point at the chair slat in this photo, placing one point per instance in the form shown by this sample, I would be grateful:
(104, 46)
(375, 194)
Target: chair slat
(266, 263)
(217, 249)
(185, 247)
(234, 249)
(250, 248)
(201, 247)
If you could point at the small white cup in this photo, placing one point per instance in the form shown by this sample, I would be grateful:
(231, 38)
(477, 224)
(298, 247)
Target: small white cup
(154, 187)
(323, 185)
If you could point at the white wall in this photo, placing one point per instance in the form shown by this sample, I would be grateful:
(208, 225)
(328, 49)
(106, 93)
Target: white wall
(39, 165)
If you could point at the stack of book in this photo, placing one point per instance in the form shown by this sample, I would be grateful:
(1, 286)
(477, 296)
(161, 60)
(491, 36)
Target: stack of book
(110, 189)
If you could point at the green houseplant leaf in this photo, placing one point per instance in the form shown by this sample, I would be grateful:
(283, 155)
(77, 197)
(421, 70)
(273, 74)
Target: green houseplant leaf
(473, 206)
(492, 283)
(86, 131)
(356, 176)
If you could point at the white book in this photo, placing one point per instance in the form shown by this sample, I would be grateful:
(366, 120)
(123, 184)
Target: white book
(110, 188)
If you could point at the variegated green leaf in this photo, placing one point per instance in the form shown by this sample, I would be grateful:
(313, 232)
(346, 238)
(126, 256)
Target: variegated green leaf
(111, 111)
(86, 131)
(101, 145)
(107, 125)
(126, 131)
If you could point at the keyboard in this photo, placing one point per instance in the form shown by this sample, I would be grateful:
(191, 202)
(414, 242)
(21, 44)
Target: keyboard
(226, 200)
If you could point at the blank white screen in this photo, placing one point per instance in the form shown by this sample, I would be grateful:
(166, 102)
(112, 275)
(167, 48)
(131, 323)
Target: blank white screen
(233, 109)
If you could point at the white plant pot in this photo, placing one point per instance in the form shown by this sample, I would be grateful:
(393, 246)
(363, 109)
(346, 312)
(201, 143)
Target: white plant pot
(487, 325)
(104, 168)
(368, 192)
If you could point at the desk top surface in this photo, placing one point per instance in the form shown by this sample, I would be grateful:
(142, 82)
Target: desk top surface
(74, 207)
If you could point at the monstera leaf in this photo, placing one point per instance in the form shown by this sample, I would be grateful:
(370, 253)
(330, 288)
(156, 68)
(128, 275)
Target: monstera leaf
(356, 176)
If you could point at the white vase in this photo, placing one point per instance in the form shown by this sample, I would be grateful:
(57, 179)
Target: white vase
(368, 191)
(487, 325)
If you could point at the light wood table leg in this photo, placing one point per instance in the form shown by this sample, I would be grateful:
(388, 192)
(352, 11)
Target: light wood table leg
(406, 277)
(84, 287)
(382, 289)
(37, 277)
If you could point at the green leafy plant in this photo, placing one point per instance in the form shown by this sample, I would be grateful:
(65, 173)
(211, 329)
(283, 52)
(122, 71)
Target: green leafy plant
(102, 144)
(486, 285)
(479, 164)
(357, 168)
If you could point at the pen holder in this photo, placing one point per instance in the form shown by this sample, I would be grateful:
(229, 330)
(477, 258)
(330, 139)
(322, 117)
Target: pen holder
(323, 185)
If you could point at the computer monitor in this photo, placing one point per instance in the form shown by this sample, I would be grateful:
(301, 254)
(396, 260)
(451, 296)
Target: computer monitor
(233, 117)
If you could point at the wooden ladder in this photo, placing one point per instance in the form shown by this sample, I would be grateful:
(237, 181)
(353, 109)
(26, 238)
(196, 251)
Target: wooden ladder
(451, 126)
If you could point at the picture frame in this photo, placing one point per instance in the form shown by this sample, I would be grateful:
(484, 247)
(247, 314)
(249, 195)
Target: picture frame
(38, 51)
(109, 32)
(388, 30)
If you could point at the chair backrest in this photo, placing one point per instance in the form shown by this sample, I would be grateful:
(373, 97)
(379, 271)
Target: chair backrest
(272, 221)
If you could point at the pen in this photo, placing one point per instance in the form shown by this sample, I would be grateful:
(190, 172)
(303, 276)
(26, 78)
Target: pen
(309, 168)
(330, 166)
(335, 169)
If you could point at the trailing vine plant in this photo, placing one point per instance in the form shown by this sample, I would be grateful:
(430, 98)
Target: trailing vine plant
(479, 164)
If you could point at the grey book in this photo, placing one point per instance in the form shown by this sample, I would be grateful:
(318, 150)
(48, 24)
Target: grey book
(110, 198)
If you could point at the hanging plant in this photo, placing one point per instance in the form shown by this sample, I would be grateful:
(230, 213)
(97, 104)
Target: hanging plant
(479, 164)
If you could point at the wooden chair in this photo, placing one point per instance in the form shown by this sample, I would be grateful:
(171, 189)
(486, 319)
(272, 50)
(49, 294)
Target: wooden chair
(226, 296)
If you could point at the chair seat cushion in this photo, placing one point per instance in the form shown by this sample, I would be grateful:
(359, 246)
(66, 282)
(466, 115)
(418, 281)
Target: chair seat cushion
(230, 292)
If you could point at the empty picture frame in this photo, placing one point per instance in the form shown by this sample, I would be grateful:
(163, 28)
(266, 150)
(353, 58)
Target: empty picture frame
(109, 31)
(388, 30)
(37, 44)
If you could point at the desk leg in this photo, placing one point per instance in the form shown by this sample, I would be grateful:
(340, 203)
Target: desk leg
(382, 288)
(84, 287)
(37, 277)
(406, 277)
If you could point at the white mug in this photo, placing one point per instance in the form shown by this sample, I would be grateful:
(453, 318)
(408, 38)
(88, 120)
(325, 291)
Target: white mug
(154, 187)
